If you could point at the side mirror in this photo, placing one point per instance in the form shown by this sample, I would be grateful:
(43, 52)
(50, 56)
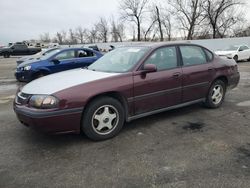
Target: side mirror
(55, 61)
(149, 68)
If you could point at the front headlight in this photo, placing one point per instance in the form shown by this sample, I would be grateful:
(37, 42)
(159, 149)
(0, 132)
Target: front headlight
(28, 67)
(43, 101)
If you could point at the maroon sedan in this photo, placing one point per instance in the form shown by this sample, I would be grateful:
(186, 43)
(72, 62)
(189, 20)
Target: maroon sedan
(125, 84)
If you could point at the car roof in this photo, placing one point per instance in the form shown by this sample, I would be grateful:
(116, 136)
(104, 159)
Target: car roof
(159, 44)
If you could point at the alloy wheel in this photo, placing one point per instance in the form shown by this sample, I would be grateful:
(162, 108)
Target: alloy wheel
(105, 119)
(217, 94)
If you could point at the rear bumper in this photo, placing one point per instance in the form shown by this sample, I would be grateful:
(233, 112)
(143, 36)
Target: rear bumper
(51, 122)
(233, 80)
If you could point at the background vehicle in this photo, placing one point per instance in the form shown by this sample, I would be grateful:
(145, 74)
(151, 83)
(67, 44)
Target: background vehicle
(35, 56)
(56, 61)
(18, 49)
(94, 47)
(125, 84)
(238, 53)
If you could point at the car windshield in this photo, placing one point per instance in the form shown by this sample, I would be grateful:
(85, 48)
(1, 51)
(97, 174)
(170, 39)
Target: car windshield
(232, 48)
(119, 60)
(49, 51)
(49, 54)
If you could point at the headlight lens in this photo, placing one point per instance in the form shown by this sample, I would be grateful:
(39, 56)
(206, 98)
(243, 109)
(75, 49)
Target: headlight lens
(43, 101)
(28, 67)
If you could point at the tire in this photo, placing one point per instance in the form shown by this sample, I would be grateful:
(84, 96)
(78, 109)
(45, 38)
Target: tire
(216, 94)
(236, 58)
(38, 75)
(6, 55)
(103, 119)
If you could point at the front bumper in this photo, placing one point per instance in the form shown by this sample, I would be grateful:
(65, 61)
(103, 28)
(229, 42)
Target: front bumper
(24, 76)
(52, 122)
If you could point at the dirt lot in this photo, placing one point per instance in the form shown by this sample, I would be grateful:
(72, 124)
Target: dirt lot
(188, 147)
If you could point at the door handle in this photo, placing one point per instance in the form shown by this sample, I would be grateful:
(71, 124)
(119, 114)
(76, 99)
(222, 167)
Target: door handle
(177, 74)
(210, 69)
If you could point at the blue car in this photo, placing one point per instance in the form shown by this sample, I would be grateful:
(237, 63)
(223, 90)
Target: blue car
(56, 61)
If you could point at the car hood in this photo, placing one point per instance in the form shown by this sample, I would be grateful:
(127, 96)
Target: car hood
(30, 57)
(225, 52)
(56, 82)
(28, 62)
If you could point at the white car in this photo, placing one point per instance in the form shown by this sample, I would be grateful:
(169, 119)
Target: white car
(238, 53)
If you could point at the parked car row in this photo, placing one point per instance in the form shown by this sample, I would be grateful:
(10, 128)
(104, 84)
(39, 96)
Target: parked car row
(124, 84)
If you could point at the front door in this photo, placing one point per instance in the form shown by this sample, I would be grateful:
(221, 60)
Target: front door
(66, 60)
(162, 88)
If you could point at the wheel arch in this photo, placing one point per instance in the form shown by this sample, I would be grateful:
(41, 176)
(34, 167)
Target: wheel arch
(113, 94)
(222, 78)
(42, 70)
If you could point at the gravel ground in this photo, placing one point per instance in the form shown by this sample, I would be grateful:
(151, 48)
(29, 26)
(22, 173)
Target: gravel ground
(187, 147)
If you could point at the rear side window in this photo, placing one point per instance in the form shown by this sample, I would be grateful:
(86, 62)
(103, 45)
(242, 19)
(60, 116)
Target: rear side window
(84, 53)
(164, 58)
(210, 56)
(193, 55)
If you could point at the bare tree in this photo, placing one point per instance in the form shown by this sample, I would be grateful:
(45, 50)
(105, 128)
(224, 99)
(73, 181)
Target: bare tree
(45, 37)
(149, 30)
(61, 37)
(189, 13)
(92, 35)
(80, 34)
(133, 10)
(159, 23)
(72, 37)
(102, 30)
(167, 23)
(215, 12)
(117, 31)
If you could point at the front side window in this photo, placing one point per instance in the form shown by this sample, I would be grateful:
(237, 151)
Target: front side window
(66, 55)
(163, 58)
(192, 55)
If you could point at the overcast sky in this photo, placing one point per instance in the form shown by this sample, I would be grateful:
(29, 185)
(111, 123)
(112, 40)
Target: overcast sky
(27, 19)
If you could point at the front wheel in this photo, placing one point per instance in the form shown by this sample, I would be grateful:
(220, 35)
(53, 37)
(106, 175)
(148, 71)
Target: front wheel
(236, 58)
(103, 119)
(6, 55)
(216, 94)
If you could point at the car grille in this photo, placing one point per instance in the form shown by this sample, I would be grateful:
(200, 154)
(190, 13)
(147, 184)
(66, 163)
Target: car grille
(22, 98)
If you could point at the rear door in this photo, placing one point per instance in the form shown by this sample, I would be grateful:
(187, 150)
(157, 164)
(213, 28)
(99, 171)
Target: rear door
(84, 58)
(198, 71)
(161, 89)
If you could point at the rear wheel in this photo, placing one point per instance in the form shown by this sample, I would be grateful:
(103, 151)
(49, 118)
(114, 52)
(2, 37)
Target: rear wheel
(216, 94)
(103, 119)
